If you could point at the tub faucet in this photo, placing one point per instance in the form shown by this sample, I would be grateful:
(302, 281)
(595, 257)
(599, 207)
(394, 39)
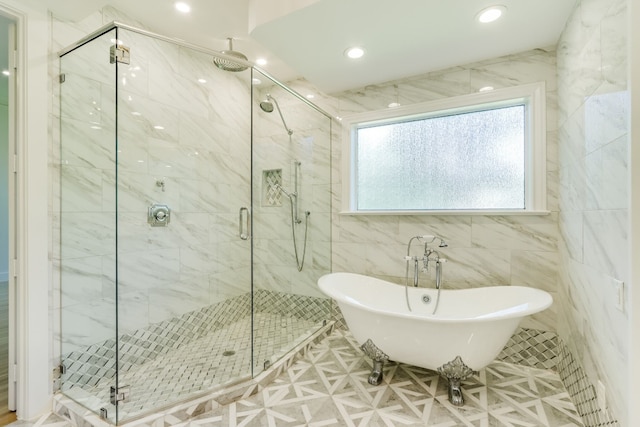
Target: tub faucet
(428, 252)
(426, 257)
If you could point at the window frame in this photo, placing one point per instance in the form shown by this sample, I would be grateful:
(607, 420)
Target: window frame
(532, 95)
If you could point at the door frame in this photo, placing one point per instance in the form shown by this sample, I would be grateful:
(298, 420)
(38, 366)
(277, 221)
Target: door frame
(12, 147)
(31, 269)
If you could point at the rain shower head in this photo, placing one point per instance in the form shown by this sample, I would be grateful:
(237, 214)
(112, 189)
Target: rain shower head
(267, 107)
(229, 65)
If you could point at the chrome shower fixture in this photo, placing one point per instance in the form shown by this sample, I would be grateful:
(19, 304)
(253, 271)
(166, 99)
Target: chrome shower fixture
(229, 65)
(285, 192)
(428, 238)
(267, 107)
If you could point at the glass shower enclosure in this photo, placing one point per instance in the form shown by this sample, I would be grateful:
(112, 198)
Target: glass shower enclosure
(194, 222)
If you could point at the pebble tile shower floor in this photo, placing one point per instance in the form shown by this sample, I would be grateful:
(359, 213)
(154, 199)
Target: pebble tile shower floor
(213, 360)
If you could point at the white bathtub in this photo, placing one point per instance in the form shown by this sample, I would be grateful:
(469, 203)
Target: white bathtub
(474, 324)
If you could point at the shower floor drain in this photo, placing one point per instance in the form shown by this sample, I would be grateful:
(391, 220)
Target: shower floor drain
(228, 353)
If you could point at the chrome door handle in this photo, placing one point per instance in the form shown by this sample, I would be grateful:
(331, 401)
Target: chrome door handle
(244, 231)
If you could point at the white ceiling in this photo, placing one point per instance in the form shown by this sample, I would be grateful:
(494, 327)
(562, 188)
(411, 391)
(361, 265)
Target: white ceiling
(307, 38)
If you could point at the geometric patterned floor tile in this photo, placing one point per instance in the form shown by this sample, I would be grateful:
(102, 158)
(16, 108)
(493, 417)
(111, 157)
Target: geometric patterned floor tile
(329, 387)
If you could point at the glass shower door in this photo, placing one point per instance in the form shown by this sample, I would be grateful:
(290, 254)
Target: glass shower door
(183, 204)
(88, 224)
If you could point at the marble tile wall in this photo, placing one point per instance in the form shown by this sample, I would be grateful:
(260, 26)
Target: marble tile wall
(593, 193)
(483, 250)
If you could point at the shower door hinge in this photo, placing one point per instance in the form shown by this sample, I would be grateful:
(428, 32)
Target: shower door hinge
(62, 78)
(119, 394)
(121, 54)
(58, 372)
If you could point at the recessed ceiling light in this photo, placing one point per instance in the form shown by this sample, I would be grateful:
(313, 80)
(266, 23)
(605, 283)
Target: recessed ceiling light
(261, 61)
(203, 81)
(158, 127)
(256, 81)
(311, 96)
(6, 72)
(485, 88)
(394, 105)
(491, 13)
(354, 52)
(182, 7)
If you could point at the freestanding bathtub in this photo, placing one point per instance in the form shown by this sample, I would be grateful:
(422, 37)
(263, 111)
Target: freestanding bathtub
(468, 330)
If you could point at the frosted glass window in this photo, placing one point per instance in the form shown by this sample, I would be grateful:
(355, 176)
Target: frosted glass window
(471, 160)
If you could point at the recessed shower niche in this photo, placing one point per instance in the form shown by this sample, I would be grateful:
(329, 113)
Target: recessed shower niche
(271, 184)
(151, 316)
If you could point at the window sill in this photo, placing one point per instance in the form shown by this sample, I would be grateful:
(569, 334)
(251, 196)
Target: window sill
(461, 212)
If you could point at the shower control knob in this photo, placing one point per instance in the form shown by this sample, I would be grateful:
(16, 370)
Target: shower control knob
(159, 215)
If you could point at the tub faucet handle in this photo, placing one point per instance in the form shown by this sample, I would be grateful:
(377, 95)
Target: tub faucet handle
(425, 264)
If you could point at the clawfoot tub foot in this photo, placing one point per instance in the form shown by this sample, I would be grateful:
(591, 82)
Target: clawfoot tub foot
(455, 393)
(375, 377)
(379, 359)
(456, 372)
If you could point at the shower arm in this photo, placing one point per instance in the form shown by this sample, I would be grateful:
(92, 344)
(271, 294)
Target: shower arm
(289, 131)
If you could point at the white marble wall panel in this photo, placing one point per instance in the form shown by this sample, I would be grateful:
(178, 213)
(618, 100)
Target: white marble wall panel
(180, 297)
(605, 240)
(82, 189)
(90, 322)
(456, 230)
(537, 269)
(82, 278)
(602, 168)
(230, 283)
(593, 191)
(134, 311)
(536, 66)
(321, 256)
(606, 118)
(87, 234)
(93, 62)
(531, 232)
